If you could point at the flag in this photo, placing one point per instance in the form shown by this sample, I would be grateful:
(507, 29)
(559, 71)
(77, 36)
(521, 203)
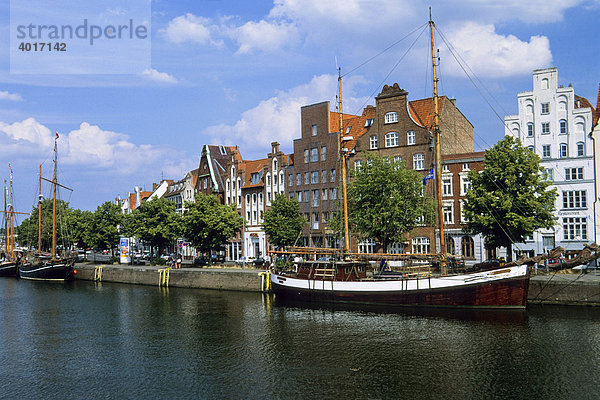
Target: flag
(428, 176)
(10, 168)
(56, 132)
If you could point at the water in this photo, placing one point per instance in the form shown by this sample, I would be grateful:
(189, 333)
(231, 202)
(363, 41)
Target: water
(112, 341)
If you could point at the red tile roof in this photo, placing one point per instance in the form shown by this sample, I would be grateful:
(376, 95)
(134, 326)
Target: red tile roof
(251, 167)
(334, 120)
(422, 110)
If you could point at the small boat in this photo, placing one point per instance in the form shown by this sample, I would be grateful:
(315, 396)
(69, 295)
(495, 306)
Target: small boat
(49, 266)
(349, 280)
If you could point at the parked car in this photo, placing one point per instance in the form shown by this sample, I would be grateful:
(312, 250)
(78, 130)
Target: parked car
(258, 262)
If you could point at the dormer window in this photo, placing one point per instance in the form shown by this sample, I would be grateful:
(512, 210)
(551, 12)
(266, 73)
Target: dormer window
(368, 122)
(391, 117)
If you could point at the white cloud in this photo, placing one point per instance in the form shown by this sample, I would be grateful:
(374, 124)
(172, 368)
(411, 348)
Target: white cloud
(189, 28)
(278, 118)
(161, 77)
(4, 95)
(501, 56)
(264, 36)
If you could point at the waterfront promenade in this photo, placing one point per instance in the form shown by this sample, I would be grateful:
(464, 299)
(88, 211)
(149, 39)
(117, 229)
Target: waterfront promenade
(544, 288)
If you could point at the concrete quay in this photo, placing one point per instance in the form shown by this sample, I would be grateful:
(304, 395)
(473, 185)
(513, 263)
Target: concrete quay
(552, 288)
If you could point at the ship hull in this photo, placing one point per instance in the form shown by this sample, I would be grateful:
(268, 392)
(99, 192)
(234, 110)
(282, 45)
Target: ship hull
(8, 269)
(502, 288)
(48, 271)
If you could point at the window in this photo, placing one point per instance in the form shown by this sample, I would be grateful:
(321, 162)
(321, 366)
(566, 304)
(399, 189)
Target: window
(467, 246)
(291, 180)
(291, 195)
(268, 179)
(391, 117)
(306, 178)
(373, 142)
(530, 129)
(314, 130)
(420, 245)
(298, 179)
(564, 151)
(411, 138)
(419, 161)
(247, 200)
(357, 164)
(397, 158)
(315, 220)
(545, 108)
(299, 197)
(391, 139)
(447, 185)
(325, 194)
(574, 229)
(314, 155)
(465, 185)
(545, 151)
(466, 166)
(369, 122)
(314, 177)
(315, 198)
(306, 155)
(323, 153)
(333, 175)
(531, 149)
(563, 126)
(333, 193)
(366, 246)
(324, 176)
(545, 128)
(549, 174)
(574, 174)
(306, 196)
(448, 212)
(574, 199)
(580, 149)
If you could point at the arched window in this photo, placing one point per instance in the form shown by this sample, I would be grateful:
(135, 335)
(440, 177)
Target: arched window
(450, 245)
(391, 117)
(467, 246)
(563, 150)
(391, 139)
(563, 126)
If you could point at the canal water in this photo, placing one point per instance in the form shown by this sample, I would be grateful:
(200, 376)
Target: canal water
(114, 341)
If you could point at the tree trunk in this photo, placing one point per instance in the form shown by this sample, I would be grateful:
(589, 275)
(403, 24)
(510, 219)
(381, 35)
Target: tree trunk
(509, 252)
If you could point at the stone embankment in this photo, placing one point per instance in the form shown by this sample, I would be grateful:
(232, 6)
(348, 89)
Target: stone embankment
(552, 288)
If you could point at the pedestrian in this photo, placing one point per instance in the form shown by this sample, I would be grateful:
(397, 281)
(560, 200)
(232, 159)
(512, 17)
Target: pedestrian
(178, 261)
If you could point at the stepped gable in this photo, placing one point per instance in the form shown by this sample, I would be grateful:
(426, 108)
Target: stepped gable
(393, 90)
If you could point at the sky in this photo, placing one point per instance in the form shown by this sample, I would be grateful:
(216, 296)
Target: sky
(237, 72)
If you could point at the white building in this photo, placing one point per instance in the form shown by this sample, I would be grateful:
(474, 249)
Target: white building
(556, 124)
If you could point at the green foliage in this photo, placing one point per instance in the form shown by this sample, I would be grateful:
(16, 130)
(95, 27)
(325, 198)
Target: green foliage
(283, 221)
(510, 199)
(66, 219)
(155, 222)
(207, 224)
(104, 225)
(385, 200)
(158, 261)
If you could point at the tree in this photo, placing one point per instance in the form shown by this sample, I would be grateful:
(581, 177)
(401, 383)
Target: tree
(28, 229)
(510, 199)
(386, 201)
(156, 222)
(104, 226)
(207, 224)
(81, 228)
(283, 222)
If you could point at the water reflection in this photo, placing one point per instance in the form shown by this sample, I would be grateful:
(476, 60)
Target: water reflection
(131, 341)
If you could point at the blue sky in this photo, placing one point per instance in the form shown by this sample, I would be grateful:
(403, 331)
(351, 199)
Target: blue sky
(237, 72)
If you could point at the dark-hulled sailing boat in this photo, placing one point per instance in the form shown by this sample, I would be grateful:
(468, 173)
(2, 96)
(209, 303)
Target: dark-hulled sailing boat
(348, 280)
(48, 266)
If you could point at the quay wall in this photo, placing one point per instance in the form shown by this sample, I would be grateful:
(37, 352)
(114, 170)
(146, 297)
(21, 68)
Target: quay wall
(247, 280)
(561, 289)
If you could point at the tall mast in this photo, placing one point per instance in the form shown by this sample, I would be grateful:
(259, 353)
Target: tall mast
(438, 154)
(6, 218)
(343, 155)
(11, 249)
(40, 214)
(54, 201)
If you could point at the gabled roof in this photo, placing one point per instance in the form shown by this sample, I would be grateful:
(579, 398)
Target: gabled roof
(596, 112)
(253, 166)
(334, 120)
(357, 126)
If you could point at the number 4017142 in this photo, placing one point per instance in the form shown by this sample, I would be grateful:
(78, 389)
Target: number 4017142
(25, 46)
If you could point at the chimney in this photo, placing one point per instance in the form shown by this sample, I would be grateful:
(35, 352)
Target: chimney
(274, 147)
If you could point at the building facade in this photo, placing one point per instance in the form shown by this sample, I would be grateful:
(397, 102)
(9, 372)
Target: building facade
(556, 124)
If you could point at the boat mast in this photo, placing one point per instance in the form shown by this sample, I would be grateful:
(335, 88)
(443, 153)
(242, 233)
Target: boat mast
(11, 249)
(5, 218)
(54, 202)
(40, 214)
(343, 155)
(438, 155)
